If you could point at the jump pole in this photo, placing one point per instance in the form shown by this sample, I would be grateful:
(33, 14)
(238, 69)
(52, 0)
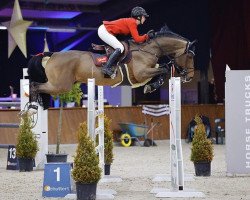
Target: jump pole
(93, 131)
(92, 114)
(176, 159)
(41, 123)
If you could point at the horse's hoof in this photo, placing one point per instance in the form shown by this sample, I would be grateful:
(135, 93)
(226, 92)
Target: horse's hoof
(113, 76)
(148, 89)
(31, 112)
(22, 113)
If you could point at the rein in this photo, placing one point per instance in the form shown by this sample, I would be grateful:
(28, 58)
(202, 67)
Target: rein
(182, 71)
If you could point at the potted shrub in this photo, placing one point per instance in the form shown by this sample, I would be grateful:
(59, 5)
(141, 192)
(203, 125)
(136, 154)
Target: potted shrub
(74, 95)
(108, 145)
(202, 150)
(86, 172)
(27, 146)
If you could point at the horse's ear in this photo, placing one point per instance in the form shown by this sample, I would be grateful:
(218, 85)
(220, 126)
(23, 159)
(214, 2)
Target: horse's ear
(191, 48)
(192, 43)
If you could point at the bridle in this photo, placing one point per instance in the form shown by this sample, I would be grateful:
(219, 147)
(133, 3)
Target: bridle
(172, 63)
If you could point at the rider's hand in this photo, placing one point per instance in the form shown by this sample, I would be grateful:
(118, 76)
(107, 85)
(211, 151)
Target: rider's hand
(151, 34)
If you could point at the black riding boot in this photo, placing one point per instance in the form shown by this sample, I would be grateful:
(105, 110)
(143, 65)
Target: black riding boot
(107, 68)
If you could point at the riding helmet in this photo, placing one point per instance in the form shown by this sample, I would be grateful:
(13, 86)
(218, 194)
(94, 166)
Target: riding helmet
(138, 12)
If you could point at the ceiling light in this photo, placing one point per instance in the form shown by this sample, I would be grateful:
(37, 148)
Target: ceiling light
(65, 30)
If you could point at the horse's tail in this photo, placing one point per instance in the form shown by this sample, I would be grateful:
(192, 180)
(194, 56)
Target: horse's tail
(37, 74)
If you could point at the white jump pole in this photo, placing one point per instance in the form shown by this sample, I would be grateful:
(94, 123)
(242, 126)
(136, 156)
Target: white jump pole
(41, 119)
(93, 131)
(176, 159)
(92, 114)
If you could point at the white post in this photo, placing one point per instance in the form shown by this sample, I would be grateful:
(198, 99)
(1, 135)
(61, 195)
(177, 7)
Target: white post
(176, 159)
(92, 114)
(100, 128)
(41, 123)
(91, 108)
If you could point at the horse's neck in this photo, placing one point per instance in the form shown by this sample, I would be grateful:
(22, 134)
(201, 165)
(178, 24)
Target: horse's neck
(151, 48)
(172, 46)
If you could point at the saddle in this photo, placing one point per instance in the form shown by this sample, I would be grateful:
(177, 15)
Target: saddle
(106, 50)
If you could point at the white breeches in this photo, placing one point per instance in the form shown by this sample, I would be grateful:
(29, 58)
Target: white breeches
(109, 38)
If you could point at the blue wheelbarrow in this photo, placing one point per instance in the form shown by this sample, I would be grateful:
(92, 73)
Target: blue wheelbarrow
(131, 131)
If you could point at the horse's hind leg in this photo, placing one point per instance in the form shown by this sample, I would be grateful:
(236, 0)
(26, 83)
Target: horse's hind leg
(40, 95)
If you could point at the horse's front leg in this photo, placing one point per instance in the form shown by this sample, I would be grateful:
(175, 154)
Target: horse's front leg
(158, 81)
(150, 73)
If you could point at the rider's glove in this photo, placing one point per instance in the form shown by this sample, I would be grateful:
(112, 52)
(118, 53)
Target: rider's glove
(151, 34)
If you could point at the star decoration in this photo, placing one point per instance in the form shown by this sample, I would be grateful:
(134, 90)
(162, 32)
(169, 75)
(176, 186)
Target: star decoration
(17, 28)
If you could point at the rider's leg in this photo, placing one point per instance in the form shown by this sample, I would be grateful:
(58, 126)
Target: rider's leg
(113, 42)
(108, 67)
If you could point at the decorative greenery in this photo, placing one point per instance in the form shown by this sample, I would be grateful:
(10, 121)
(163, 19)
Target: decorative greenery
(74, 95)
(108, 141)
(86, 162)
(202, 147)
(27, 145)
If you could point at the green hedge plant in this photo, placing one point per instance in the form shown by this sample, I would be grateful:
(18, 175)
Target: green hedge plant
(108, 141)
(202, 147)
(27, 146)
(86, 162)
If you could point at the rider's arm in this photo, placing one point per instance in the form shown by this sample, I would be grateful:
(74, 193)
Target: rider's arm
(135, 35)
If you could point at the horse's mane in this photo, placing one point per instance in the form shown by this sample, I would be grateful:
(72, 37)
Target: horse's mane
(165, 31)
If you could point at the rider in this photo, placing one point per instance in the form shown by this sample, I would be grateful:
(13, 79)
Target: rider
(124, 26)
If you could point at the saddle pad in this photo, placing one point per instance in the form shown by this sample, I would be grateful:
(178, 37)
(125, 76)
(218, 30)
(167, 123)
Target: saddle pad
(99, 59)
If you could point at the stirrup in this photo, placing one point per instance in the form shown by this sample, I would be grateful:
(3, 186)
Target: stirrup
(107, 71)
(111, 73)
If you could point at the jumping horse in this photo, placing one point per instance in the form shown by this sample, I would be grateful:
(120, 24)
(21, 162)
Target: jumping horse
(55, 73)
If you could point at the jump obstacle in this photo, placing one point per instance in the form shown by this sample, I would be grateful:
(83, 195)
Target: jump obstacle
(91, 118)
(176, 159)
(41, 123)
(92, 114)
(40, 128)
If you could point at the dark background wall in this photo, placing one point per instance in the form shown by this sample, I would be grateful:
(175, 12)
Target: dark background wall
(222, 29)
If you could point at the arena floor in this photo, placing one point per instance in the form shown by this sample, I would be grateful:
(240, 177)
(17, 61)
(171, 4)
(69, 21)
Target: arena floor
(136, 166)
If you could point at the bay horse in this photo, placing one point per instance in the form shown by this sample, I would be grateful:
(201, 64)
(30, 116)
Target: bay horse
(55, 73)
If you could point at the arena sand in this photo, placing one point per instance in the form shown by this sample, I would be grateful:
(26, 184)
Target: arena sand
(136, 166)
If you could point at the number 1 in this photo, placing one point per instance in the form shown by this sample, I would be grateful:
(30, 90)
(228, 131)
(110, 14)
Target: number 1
(57, 170)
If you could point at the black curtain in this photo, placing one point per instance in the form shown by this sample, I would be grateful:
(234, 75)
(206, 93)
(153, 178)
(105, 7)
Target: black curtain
(230, 39)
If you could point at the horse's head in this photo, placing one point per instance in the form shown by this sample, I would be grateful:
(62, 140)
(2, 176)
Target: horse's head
(178, 49)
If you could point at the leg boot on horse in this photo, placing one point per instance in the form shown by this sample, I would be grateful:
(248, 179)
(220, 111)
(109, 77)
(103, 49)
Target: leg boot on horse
(108, 67)
(159, 81)
(149, 88)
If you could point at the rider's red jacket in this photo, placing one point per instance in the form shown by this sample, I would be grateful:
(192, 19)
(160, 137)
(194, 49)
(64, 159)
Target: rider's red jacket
(125, 26)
